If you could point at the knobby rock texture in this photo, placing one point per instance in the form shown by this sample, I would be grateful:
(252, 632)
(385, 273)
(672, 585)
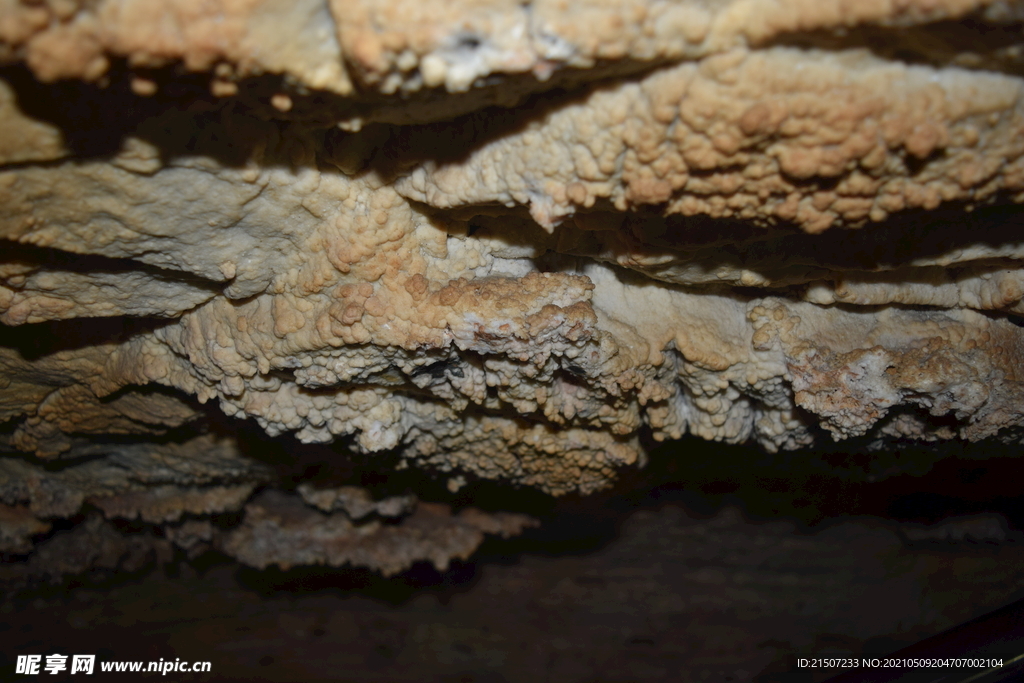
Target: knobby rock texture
(486, 240)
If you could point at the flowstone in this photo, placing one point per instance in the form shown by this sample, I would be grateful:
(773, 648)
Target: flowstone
(491, 240)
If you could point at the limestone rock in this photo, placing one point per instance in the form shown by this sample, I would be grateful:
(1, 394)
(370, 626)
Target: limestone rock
(355, 501)
(279, 529)
(493, 240)
(17, 527)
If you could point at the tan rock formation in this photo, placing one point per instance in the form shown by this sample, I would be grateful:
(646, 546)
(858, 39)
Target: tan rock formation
(279, 529)
(501, 240)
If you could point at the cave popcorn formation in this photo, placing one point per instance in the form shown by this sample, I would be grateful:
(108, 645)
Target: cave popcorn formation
(496, 240)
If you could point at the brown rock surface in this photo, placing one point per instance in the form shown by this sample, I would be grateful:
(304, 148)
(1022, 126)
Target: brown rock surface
(492, 240)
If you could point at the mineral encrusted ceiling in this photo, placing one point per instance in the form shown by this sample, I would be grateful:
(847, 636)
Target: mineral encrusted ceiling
(493, 240)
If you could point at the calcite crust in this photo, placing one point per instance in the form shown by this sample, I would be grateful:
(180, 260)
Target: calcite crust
(496, 240)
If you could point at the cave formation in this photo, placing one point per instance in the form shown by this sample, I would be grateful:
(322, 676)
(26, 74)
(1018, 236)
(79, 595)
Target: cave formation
(466, 242)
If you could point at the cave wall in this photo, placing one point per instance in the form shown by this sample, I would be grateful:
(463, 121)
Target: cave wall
(486, 241)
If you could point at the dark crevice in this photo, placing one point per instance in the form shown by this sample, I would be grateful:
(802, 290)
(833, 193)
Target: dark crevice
(35, 340)
(183, 118)
(971, 42)
(56, 259)
(788, 257)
